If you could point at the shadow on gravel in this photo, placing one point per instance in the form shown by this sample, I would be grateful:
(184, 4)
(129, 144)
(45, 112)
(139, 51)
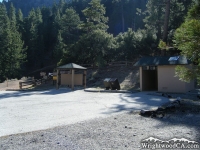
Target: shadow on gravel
(187, 114)
(15, 94)
(138, 101)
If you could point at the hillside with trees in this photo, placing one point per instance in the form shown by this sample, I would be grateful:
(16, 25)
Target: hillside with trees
(35, 34)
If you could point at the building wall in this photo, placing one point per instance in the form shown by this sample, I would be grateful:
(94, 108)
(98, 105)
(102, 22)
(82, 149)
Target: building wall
(167, 82)
(66, 79)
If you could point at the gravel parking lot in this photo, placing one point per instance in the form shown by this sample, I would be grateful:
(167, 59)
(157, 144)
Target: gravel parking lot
(122, 132)
(38, 110)
(65, 120)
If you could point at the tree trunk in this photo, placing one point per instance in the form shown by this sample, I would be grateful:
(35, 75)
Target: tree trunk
(167, 12)
(159, 24)
(122, 11)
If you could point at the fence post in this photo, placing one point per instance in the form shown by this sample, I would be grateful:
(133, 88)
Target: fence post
(7, 81)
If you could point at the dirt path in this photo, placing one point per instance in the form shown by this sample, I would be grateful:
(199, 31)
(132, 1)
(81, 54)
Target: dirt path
(10, 84)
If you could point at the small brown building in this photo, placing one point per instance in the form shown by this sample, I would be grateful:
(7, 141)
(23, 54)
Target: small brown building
(67, 76)
(158, 74)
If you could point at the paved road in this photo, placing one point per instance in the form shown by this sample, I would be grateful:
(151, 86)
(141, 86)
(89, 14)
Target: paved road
(37, 110)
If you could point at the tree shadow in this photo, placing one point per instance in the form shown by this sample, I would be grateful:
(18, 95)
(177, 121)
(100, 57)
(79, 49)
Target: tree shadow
(14, 94)
(137, 101)
(185, 116)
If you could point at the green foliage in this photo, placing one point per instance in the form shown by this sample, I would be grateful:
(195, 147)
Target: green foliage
(59, 48)
(79, 31)
(95, 44)
(162, 45)
(132, 44)
(69, 25)
(95, 18)
(187, 39)
(194, 12)
(155, 12)
(12, 53)
(34, 38)
(184, 73)
(92, 48)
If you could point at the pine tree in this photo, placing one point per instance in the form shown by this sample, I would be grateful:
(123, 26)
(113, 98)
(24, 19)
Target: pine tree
(59, 48)
(187, 39)
(33, 38)
(69, 26)
(16, 45)
(12, 51)
(96, 41)
(95, 18)
(4, 21)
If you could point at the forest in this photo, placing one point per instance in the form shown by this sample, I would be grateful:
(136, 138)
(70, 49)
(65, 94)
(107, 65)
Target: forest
(39, 33)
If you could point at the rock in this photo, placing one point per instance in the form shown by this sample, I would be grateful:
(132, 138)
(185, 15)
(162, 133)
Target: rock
(166, 95)
(147, 113)
(169, 96)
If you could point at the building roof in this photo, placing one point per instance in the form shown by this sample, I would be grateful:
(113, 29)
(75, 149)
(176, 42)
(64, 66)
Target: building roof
(162, 60)
(71, 66)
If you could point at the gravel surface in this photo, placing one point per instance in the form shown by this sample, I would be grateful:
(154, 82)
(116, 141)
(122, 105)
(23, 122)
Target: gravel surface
(122, 131)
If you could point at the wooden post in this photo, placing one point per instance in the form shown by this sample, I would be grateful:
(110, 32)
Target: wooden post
(140, 73)
(84, 76)
(20, 85)
(72, 79)
(57, 80)
(7, 81)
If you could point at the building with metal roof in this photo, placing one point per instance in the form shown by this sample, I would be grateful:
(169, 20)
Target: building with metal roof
(158, 74)
(66, 75)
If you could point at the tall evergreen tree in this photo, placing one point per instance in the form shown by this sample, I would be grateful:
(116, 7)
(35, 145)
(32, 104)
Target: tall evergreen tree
(12, 51)
(156, 10)
(95, 18)
(4, 21)
(59, 48)
(95, 43)
(34, 38)
(187, 39)
(69, 26)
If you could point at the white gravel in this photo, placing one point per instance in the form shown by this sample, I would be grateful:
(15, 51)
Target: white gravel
(116, 131)
(123, 131)
(38, 110)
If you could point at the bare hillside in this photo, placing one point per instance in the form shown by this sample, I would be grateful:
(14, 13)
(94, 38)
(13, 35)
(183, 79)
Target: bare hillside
(128, 77)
